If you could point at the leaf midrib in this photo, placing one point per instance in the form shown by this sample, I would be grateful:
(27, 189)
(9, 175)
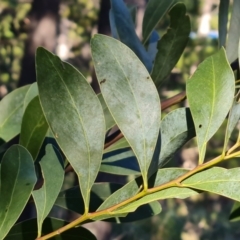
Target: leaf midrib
(151, 19)
(144, 142)
(13, 190)
(81, 121)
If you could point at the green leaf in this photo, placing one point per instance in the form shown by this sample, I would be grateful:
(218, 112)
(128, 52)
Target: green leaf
(34, 128)
(53, 175)
(217, 180)
(11, 108)
(133, 187)
(172, 44)
(113, 25)
(233, 33)
(235, 212)
(17, 180)
(28, 230)
(130, 95)
(74, 114)
(143, 211)
(133, 12)
(152, 45)
(72, 199)
(125, 27)
(223, 21)
(120, 163)
(107, 115)
(173, 192)
(154, 12)
(121, 143)
(210, 93)
(177, 128)
(31, 94)
(233, 118)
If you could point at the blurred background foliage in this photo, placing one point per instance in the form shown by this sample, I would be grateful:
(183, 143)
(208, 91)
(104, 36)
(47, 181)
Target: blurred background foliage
(65, 27)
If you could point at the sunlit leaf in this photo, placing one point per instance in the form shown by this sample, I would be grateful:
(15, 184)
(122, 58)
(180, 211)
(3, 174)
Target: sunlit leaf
(107, 115)
(53, 175)
(223, 21)
(130, 95)
(34, 128)
(125, 30)
(72, 198)
(210, 93)
(31, 94)
(133, 187)
(172, 44)
(11, 109)
(224, 182)
(177, 128)
(173, 192)
(28, 230)
(74, 115)
(17, 179)
(233, 33)
(154, 12)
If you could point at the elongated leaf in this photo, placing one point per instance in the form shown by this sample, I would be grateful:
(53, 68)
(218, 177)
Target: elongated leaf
(34, 128)
(11, 109)
(113, 25)
(53, 175)
(130, 95)
(133, 12)
(233, 33)
(210, 93)
(126, 31)
(134, 186)
(223, 21)
(120, 163)
(224, 182)
(17, 179)
(176, 129)
(28, 230)
(173, 192)
(74, 114)
(72, 199)
(107, 115)
(121, 143)
(152, 45)
(154, 12)
(235, 212)
(144, 211)
(233, 118)
(30, 95)
(172, 44)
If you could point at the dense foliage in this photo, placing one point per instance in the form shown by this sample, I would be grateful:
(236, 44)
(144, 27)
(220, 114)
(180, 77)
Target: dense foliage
(64, 126)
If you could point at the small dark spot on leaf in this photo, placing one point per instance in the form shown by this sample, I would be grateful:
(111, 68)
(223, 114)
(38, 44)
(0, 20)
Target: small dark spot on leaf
(103, 81)
(27, 184)
(148, 77)
(200, 125)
